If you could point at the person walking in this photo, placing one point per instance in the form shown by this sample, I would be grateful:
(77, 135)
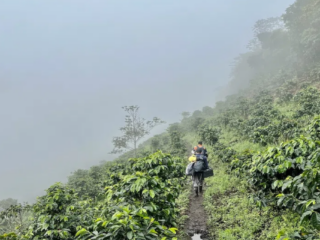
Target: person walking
(203, 149)
(197, 176)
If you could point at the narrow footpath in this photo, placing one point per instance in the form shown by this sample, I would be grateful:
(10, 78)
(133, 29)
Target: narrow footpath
(196, 224)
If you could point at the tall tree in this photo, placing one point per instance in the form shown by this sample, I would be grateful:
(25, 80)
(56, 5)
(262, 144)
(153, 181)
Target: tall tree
(134, 130)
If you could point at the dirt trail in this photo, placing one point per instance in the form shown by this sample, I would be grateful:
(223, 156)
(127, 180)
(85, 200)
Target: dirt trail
(196, 223)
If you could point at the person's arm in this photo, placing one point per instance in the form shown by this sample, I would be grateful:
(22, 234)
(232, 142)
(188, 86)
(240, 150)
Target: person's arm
(206, 153)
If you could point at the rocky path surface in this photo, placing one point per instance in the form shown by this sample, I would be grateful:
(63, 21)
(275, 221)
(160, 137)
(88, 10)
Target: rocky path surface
(196, 223)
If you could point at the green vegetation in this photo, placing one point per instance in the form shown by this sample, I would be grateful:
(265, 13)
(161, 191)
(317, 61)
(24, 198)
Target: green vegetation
(263, 144)
(234, 216)
(139, 202)
(14, 218)
(6, 203)
(266, 158)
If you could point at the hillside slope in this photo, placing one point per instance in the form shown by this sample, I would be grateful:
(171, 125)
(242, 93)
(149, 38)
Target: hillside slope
(263, 143)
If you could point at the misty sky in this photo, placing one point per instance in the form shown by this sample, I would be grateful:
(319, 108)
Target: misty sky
(67, 68)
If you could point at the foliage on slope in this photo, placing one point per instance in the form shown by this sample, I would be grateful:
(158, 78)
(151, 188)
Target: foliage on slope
(138, 203)
(276, 112)
(287, 177)
(232, 214)
(279, 77)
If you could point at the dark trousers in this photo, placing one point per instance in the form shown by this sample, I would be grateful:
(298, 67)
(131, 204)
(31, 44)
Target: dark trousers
(197, 179)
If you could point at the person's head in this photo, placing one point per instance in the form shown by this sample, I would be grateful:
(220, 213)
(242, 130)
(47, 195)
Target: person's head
(200, 142)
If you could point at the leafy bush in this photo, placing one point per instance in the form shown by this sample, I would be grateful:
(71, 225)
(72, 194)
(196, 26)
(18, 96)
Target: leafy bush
(287, 176)
(139, 203)
(209, 135)
(309, 102)
(15, 219)
(223, 153)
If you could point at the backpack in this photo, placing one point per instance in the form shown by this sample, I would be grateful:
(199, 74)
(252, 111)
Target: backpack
(200, 157)
(189, 169)
(198, 166)
(203, 150)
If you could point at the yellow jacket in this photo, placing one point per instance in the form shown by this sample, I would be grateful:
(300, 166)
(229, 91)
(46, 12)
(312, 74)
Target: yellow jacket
(192, 158)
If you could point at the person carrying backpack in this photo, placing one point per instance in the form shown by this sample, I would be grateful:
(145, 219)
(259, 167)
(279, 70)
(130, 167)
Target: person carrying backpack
(203, 149)
(199, 166)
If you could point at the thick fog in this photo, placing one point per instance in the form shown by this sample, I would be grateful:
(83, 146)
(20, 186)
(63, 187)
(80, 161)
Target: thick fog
(67, 68)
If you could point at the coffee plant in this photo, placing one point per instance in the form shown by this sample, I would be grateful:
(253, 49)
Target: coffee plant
(138, 203)
(286, 176)
(208, 134)
(308, 101)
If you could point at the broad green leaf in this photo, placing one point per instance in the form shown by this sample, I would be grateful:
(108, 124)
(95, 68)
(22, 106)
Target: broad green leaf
(307, 213)
(315, 220)
(152, 194)
(173, 230)
(81, 232)
(285, 185)
(153, 231)
(129, 235)
(312, 201)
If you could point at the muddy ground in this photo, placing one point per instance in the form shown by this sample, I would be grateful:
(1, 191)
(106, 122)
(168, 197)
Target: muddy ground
(196, 224)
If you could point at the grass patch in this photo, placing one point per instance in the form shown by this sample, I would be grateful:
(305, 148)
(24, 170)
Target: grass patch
(228, 136)
(287, 109)
(244, 145)
(183, 205)
(232, 216)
